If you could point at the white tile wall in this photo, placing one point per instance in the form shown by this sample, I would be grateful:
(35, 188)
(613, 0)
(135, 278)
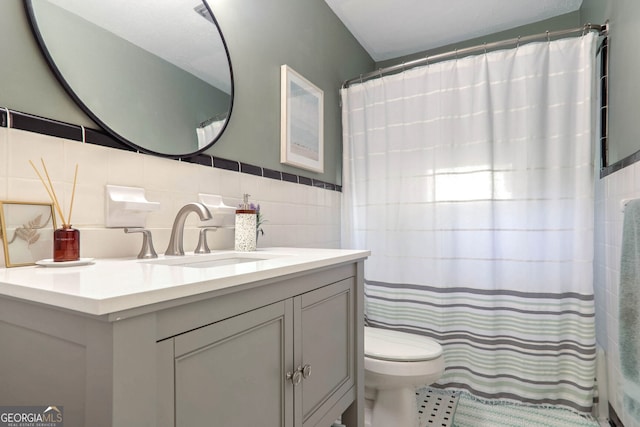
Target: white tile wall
(610, 191)
(297, 215)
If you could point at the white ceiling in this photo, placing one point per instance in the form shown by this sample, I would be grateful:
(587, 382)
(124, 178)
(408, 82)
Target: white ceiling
(393, 28)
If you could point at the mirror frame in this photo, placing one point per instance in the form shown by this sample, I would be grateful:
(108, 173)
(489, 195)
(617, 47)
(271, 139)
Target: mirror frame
(28, 5)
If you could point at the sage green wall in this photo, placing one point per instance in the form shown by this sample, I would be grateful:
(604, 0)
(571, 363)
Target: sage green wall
(27, 84)
(261, 35)
(624, 68)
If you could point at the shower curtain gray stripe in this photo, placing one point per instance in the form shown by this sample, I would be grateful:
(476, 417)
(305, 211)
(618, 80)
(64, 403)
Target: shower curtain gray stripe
(502, 308)
(543, 353)
(521, 294)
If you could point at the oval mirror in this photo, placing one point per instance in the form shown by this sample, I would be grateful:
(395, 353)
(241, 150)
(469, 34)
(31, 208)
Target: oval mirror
(155, 74)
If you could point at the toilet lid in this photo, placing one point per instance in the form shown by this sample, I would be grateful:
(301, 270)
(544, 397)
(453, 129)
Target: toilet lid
(386, 344)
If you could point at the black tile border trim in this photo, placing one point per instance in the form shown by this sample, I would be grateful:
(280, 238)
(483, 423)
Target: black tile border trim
(230, 165)
(621, 164)
(32, 123)
(100, 138)
(289, 177)
(250, 169)
(270, 173)
(304, 180)
(44, 126)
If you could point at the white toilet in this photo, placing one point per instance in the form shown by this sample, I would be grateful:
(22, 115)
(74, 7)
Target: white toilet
(395, 363)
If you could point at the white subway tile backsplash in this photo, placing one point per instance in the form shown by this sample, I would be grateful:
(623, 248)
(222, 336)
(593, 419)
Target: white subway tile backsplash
(209, 181)
(169, 175)
(3, 188)
(231, 187)
(27, 189)
(88, 205)
(92, 169)
(297, 215)
(123, 167)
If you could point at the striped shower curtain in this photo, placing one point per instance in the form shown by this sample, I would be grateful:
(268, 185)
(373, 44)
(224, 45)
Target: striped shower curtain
(471, 183)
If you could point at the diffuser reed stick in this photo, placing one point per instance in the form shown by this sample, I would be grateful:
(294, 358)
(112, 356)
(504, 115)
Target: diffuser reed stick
(66, 222)
(73, 194)
(51, 196)
(53, 191)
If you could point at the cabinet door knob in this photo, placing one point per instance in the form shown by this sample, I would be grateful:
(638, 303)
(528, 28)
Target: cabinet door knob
(306, 371)
(295, 377)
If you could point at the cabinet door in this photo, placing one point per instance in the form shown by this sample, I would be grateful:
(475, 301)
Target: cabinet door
(232, 373)
(325, 329)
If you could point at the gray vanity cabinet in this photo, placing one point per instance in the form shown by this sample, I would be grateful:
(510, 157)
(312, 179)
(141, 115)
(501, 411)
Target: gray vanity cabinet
(282, 351)
(286, 364)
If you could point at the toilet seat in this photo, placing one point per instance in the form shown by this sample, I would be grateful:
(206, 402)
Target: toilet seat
(395, 363)
(396, 346)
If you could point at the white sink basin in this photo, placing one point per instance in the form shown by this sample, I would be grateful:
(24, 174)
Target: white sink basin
(212, 260)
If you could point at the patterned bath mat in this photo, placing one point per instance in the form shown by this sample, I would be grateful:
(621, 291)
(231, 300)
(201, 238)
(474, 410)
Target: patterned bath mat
(436, 407)
(469, 411)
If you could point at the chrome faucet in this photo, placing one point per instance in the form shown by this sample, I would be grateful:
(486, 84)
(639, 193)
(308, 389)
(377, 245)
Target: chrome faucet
(177, 232)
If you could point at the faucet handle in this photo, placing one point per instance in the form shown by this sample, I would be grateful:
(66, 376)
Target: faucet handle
(203, 247)
(147, 250)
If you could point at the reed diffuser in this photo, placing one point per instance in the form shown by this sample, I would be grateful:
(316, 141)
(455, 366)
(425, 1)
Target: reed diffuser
(66, 240)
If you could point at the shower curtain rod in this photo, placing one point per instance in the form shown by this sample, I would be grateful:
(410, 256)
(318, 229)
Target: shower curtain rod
(602, 29)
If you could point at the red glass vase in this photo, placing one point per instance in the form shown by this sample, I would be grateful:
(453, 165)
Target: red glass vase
(66, 244)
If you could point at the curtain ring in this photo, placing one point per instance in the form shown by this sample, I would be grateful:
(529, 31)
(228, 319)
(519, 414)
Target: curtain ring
(380, 72)
(403, 66)
(548, 37)
(485, 47)
(360, 78)
(426, 59)
(518, 42)
(456, 53)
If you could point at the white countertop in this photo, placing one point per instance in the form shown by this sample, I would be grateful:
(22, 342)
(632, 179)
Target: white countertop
(112, 285)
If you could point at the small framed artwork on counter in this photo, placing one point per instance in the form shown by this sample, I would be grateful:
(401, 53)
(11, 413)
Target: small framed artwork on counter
(26, 229)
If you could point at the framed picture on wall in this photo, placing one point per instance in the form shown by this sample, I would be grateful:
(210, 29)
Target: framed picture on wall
(26, 229)
(301, 122)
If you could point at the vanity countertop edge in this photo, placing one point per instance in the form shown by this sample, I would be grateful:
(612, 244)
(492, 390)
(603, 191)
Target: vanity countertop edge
(112, 285)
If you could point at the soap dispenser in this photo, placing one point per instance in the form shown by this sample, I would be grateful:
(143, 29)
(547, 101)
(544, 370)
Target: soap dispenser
(246, 224)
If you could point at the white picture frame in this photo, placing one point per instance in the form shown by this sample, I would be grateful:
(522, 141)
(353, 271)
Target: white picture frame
(301, 122)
